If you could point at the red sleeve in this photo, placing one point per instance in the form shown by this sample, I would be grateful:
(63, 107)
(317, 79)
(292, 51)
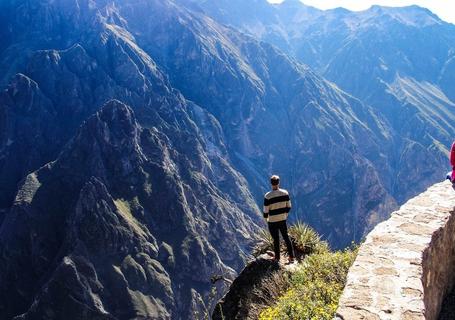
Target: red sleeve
(452, 155)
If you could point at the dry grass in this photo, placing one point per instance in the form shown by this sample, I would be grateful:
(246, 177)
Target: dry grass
(268, 292)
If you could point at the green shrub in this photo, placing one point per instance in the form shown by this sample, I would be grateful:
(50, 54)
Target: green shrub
(269, 289)
(315, 288)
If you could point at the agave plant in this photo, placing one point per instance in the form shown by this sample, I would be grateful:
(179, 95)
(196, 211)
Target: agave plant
(306, 239)
(265, 242)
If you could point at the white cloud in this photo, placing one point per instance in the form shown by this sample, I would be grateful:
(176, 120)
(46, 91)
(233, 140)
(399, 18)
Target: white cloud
(445, 9)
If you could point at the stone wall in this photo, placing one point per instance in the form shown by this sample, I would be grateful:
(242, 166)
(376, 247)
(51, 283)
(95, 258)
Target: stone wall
(406, 265)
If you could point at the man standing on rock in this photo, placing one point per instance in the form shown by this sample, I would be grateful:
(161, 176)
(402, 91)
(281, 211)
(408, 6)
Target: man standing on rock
(277, 205)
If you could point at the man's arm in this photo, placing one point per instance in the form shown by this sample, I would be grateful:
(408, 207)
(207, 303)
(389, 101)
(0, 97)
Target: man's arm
(288, 204)
(266, 208)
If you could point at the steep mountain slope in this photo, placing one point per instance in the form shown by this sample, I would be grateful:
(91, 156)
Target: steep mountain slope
(368, 54)
(116, 227)
(129, 215)
(96, 63)
(156, 201)
(275, 114)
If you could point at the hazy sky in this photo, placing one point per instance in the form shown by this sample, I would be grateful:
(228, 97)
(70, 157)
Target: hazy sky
(445, 9)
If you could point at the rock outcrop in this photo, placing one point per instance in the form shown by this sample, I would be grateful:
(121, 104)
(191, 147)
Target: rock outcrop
(247, 290)
(406, 266)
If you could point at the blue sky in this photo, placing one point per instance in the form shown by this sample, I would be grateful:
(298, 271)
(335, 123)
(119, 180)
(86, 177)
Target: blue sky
(445, 9)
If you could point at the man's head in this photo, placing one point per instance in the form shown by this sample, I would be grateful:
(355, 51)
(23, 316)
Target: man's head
(275, 181)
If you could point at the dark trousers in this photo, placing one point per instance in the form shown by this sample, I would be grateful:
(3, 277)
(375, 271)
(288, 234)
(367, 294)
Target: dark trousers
(275, 228)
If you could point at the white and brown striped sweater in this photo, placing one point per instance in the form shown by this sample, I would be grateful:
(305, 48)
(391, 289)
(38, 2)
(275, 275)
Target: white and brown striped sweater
(277, 205)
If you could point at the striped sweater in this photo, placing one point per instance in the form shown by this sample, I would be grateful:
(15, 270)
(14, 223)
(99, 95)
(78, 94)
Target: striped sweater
(277, 205)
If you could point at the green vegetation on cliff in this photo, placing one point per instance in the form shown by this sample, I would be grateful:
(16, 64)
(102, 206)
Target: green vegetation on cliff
(315, 286)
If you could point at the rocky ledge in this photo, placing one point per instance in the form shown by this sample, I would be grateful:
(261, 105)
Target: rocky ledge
(247, 291)
(406, 266)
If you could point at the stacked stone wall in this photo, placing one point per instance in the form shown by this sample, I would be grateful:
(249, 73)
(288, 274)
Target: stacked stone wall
(405, 267)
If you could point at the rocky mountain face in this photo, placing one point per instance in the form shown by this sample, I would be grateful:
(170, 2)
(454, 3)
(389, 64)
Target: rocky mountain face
(398, 60)
(116, 227)
(277, 116)
(124, 220)
(272, 113)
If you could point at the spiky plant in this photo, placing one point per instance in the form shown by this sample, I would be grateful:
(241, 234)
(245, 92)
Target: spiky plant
(306, 239)
(265, 242)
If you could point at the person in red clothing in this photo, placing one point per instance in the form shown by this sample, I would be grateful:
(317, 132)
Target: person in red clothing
(452, 161)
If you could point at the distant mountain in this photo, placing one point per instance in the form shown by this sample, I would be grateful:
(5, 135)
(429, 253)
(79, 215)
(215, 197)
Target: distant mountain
(398, 60)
